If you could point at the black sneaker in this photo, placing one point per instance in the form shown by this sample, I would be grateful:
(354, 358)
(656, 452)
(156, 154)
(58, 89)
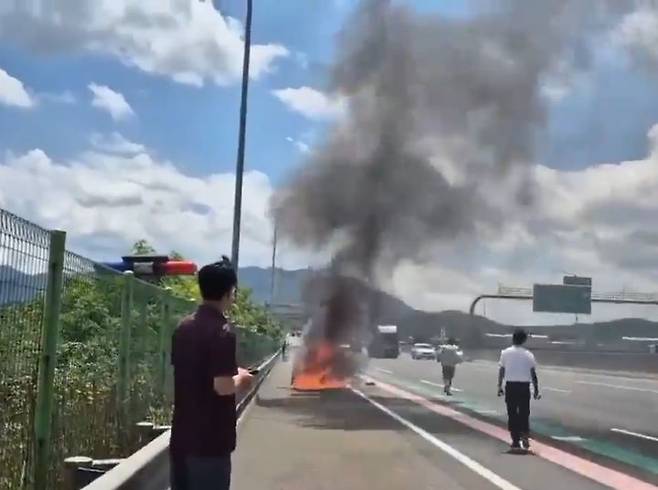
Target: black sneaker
(525, 442)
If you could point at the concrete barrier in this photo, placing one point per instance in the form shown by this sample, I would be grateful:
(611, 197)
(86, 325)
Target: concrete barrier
(148, 468)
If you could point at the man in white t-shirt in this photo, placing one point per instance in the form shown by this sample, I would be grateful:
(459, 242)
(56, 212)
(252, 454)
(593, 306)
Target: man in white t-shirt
(450, 355)
(518, 368)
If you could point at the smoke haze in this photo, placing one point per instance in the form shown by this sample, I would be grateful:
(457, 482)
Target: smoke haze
(443, 115)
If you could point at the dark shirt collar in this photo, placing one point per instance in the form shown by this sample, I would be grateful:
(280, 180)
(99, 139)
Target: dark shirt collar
(210, 313)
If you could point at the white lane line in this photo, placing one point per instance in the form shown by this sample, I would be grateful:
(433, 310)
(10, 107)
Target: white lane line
(635, 434)
(566, 371)
(438, 385)
(471, 464)
(486, 411)
(386, 371)
(557, 390)
(617, 387)
(568, 438)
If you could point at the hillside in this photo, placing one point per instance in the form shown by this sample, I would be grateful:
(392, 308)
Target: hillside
(19, 287)
(309, 287)
(288, 283)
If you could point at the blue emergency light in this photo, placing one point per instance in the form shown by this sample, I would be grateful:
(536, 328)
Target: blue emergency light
(153, 265)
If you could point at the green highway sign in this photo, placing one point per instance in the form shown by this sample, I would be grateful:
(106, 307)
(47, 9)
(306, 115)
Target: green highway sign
(560, 298)
(577, 281)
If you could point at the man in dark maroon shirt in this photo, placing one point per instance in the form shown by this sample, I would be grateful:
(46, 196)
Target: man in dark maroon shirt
(206, 378)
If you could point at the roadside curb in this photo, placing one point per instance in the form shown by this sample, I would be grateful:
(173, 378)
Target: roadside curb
(148, 468)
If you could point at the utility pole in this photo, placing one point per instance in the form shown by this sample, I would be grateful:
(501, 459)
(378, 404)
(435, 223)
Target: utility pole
(273, 278)
(237, 208)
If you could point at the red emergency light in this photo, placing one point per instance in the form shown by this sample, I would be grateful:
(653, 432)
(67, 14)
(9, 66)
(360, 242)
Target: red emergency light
(154, 265)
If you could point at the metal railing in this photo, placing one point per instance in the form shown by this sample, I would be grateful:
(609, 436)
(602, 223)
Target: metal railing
(618, 296)
(84, 356)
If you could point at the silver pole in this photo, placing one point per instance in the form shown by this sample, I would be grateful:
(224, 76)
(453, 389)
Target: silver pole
(237, 208)
(273, 278)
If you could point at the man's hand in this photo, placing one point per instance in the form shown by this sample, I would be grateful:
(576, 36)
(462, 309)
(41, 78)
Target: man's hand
(243, 380)
(501, 392)
(535, 383)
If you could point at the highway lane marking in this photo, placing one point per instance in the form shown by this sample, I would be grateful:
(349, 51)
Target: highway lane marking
(566, 371)
(589, 469)
(568, 438)
(487, 411)
(470, 463)
(618, 387)
(635, 434)
(598, 447)
(557, 390)
(438, 385)
(385, 371)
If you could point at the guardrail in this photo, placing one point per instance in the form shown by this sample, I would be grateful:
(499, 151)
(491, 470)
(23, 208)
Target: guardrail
(148, 468)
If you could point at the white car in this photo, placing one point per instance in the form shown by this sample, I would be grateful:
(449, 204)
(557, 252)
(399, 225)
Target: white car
(423, 351)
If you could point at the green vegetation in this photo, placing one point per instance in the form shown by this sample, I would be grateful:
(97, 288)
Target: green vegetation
(89, 416)
(246, 312)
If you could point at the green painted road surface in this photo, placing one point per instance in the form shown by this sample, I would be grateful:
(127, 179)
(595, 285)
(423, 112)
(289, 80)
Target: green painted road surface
(373, 438)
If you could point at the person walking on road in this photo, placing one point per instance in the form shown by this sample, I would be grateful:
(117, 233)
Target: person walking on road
(206, 378)
(518, 369)
(449, 355)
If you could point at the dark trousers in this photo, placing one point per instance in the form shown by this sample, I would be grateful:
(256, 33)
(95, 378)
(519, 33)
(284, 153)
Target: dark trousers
(517, 398)
(448, 373)
(201, 473)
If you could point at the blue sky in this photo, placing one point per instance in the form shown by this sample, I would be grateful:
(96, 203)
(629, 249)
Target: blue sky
(118, 121)
(197, 126)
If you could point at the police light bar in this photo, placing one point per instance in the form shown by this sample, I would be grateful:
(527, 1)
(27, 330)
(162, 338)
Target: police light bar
(154, 265)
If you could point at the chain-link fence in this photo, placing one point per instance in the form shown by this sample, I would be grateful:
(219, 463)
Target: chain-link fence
(24, 250)
(84, 356)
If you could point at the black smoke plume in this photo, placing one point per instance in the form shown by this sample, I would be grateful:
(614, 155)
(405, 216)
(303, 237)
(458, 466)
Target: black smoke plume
(443, 112)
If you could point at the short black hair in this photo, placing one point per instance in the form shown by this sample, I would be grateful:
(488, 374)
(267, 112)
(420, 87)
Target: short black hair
(216, 280)
(452, 341)
(519, 336)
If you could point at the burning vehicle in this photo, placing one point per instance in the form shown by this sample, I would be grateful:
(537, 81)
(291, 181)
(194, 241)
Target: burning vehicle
(327, 358)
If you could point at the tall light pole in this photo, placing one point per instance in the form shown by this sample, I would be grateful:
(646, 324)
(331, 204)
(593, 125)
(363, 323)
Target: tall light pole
(237, 207)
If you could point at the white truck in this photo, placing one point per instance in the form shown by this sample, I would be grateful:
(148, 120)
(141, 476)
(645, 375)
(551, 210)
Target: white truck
(385, 342)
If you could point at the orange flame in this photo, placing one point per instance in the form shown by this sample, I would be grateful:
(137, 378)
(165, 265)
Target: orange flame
(314, 369)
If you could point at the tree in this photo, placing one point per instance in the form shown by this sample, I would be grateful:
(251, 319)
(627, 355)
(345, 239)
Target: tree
(142, 247)
(245, 313)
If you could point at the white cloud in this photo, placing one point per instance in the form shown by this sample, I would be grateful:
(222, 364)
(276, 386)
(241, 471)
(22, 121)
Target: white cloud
(13, 92)
(302, 59)
(65, 97)
(300, 145)
(638, 32)
(106, 201)
(599, 221)
(115, 143)
(114, 103)
(312, 103)
(186, 40)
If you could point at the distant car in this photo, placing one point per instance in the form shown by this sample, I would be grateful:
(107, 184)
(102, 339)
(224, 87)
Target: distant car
(423, 351)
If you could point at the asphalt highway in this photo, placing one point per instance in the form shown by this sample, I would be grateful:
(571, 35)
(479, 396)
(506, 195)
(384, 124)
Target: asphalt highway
(392, 429)
(603, 416)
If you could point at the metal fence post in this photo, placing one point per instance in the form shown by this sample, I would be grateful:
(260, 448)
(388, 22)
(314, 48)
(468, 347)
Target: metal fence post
(142, 327)
(164, 339)
(124, 347)
(43, 414)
